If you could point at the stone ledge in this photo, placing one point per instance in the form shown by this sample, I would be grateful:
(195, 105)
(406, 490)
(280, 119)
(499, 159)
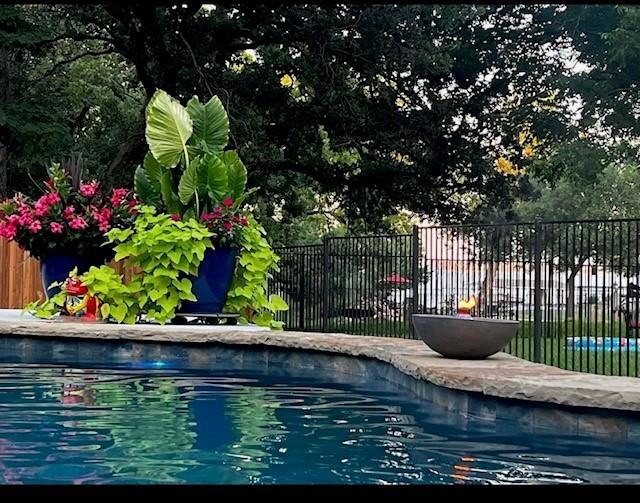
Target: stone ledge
(502, 375)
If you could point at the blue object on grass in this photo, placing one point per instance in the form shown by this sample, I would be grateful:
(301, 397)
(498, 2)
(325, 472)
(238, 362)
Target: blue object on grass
(602, 344)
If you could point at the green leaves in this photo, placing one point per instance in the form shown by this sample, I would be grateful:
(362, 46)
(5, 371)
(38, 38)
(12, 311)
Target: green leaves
(169, 197)
(145, 190)
(236, 174)
(160, 250)
(248, 293)
(193, 138)
(217, 179)
(153, 170)
(188, 183)
(163, 249)
(147, 181)
(168, 128)
(278, 303)
(210, 125)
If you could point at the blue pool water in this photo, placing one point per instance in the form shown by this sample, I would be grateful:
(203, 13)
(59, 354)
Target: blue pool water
(101, 413)
(603, 344)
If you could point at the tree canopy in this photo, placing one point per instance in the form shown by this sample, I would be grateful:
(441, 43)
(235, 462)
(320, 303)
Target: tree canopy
(345, 114)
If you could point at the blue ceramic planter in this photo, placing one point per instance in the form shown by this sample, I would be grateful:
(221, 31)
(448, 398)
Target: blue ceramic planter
(57, 268)
(212, 283)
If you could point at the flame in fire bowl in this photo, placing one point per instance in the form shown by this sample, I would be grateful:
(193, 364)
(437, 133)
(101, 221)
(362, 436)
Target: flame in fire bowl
(464, 338)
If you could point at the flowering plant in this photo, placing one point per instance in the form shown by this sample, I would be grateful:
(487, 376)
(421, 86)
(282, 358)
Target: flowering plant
(68, 218)
(226, 223)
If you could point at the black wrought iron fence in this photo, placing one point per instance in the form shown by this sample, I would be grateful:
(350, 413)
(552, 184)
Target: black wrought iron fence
(573, 286)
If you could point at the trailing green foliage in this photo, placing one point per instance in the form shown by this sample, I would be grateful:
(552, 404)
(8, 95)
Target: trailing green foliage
(248, 294)
(162, 251)
(48, 308)
(119, 301)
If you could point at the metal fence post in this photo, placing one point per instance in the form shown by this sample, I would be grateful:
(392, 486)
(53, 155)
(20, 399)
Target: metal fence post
(302, 287)
(415, 245)
(537, 292)
(325, 284)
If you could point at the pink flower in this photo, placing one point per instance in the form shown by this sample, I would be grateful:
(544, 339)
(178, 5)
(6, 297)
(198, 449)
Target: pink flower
(205, 217)
(14, 220)
(89, 189)
(118, 196)
(53, 198)
(100, 215)
(8, 231)
(35, 226)
(176, 218)
(78, 223)
(25, 217)
(68, 212)
(56, 228)
(227, 202)
(227, 226)
(104, 226)
(133, 206)
(42, 206)
(244, 221)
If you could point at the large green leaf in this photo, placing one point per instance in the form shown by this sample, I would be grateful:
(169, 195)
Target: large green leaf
(188, 184)
(236, 174)
(210, 125)
(171, 200)
(145, 189)
(153, 171)
(217, 179)
(169, 127)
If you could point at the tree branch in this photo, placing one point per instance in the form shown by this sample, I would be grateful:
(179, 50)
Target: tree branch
(80, 37)
(51, 71)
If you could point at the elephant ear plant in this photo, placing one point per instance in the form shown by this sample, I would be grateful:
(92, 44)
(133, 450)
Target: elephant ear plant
(189, 174)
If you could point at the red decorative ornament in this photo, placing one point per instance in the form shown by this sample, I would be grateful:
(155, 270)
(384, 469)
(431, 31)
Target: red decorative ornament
(79, 303)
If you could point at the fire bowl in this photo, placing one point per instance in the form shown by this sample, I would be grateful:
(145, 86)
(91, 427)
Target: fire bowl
(464, 338)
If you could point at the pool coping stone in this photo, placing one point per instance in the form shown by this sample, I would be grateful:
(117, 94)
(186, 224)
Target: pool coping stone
(502, 375)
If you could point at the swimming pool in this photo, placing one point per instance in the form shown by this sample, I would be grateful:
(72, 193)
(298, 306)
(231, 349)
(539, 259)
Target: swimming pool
(81, 412)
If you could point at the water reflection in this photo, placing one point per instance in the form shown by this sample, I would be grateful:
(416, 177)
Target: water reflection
(60, 424)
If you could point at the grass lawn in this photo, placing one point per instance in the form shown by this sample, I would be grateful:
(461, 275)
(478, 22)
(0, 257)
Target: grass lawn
(554, 352)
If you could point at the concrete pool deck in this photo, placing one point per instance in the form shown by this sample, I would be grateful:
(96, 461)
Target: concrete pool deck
(501, 375)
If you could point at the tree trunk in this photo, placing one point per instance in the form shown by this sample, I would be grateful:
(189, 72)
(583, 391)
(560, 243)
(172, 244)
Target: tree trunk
(571, 294)
(128, 157)
(487, 287)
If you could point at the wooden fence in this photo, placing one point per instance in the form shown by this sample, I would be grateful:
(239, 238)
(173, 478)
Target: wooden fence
(20, 280)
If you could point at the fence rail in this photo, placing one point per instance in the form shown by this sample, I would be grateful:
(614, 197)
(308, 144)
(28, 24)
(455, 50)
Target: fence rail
(572, 285)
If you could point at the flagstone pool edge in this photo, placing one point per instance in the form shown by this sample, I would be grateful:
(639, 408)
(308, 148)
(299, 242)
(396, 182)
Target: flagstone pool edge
(501, 375)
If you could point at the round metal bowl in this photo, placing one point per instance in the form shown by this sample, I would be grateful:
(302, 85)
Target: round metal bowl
(464, 338)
